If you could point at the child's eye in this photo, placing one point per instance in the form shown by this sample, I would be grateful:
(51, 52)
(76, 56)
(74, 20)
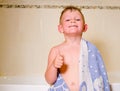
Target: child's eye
(77, 19)
(67, 20)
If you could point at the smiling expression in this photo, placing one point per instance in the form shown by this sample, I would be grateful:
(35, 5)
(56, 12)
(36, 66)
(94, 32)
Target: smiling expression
(72, 22)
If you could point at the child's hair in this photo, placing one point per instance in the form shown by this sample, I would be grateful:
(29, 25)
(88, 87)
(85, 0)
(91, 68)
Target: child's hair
(71, 8)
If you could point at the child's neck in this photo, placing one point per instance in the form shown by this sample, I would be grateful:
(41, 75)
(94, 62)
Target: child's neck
(73, 41)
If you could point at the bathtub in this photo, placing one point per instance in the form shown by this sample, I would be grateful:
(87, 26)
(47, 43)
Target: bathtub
(114, 78)
(115, 86)
(23, 84)
(32, 84)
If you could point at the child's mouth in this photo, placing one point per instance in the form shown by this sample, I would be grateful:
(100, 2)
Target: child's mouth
(73, 26)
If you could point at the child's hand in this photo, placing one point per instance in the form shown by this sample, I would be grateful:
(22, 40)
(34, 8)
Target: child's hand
(59, 60)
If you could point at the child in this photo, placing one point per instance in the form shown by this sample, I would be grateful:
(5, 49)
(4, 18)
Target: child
(75, 64)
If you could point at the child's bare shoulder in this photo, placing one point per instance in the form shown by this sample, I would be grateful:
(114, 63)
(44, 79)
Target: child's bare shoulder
(55, 49)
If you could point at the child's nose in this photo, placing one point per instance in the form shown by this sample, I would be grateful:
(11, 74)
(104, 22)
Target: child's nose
(73, 21)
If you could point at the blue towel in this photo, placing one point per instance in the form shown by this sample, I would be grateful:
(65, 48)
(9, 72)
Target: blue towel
(97, 79)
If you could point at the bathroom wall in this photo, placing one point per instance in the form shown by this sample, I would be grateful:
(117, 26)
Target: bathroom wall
(29, 29)
(26, 36)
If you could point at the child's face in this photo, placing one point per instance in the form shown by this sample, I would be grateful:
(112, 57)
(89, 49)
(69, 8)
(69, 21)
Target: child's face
(72, 22)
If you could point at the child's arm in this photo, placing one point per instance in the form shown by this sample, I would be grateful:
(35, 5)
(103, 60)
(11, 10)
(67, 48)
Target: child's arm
(55, 61)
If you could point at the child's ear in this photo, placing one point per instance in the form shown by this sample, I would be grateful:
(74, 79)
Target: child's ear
(85, 28)
(60, 28)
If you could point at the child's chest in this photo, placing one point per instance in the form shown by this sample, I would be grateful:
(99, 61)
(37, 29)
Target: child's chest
(71, 55)
(71, 58)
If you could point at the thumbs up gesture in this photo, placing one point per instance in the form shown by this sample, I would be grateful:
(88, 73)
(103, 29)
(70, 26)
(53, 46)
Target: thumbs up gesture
(59, 61)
